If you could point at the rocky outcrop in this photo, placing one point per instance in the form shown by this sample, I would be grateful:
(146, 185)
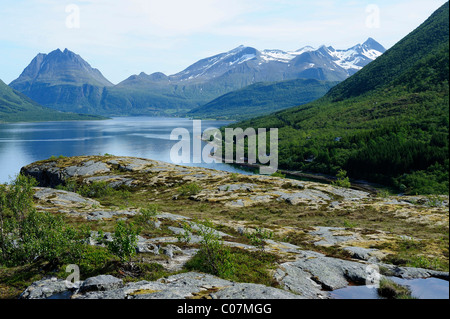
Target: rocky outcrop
(183, 286)
(63, 198)
(100, 283)
(50, 174)
(300, 273)
(46, 288)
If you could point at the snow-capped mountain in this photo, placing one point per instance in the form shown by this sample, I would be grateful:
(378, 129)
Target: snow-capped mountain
(352, 59)
(324, 63)
(217, 65)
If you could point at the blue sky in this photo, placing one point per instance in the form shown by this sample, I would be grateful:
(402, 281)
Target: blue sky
(125, 37)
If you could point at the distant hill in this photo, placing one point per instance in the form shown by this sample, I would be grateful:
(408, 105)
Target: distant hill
(16, 107)
(262, 99)
(388, 123)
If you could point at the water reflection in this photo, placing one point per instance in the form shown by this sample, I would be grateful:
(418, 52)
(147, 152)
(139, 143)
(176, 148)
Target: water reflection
(147, 137)
(421, 288)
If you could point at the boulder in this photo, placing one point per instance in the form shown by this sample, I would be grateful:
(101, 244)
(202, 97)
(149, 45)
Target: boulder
(44, 289)
(330, 273)
(328, 236)
(63, 198)
(49, 174)
(294, 279)
(253, 291)
(361, 253)
(101, 283)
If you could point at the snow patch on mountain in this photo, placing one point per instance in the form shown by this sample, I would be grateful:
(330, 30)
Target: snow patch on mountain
(242, 59)
(278, 56)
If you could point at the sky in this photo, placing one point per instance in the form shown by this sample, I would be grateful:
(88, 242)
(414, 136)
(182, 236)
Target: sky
(126, 37)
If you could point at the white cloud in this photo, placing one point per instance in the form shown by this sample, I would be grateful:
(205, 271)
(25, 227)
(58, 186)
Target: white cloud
(179, 17)
(121, 37)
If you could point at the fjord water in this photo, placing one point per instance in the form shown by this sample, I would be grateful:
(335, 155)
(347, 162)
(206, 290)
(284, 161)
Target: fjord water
(147, 137)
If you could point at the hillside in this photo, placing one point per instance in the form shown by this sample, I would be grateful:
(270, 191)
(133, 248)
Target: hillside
(388, 123)
(262, 98)
(16, 107)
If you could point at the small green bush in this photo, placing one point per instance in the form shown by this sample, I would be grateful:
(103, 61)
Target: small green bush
(185, 236)
(94, 261)
(258, 237)
(70, 185)
(124, 241)
(213, 257)
(348, 224)
(391, 290)
(278, 174)
(189, 189)
(96, 190)
(27, 235)
(342, 179)
(147, 216)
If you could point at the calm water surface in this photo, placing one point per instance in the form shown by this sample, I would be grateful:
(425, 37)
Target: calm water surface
(421, 288)
(147, 137)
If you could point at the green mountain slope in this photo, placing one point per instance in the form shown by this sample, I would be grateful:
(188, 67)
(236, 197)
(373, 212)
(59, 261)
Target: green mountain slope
(262, 98)
(388, 123)
(16, 107)
(62, 80)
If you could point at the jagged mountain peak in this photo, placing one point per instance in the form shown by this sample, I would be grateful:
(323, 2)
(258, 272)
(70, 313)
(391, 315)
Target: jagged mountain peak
(59, 67)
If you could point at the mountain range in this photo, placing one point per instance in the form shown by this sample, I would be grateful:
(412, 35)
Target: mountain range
(388, 123)
(62, 80)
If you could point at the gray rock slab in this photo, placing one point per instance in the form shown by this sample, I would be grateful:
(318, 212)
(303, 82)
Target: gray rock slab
(299, 281)
(102, 214)
(360, 252)
(246, 187)
(101, 283)
(261, 198)
(133, 164)
(253, 291)
(88, 168)
(114, 181)
(348, 193)
(170, 216)
(332, 273)
(296, 184)
(110, 294)
(196, 227)
(44, 288)
(61, 197)
(237, 203)
(302, 196)
(328, 237)
(412, 273)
